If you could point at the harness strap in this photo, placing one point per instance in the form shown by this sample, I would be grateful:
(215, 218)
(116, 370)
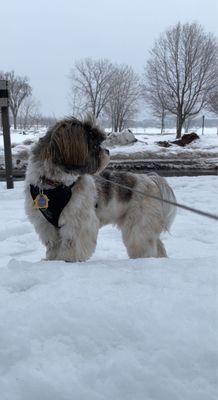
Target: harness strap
(58, 199)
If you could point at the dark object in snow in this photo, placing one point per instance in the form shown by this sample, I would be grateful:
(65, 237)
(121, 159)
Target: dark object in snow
(164, 143)
(187, 138)
(28, 142)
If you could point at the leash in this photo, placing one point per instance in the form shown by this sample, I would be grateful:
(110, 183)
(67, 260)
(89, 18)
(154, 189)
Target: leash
(183, 206)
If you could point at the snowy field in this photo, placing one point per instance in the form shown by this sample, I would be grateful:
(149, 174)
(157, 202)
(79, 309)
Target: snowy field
(147, 148)
(111, 328)
(144, 148)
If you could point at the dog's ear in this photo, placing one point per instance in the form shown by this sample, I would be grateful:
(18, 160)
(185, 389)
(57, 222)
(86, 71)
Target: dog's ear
(68, 145)
(73, 145)
(93, 130)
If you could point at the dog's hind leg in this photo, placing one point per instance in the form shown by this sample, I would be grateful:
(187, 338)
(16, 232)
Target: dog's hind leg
(143, 248)
(141, 236)
(150, 247)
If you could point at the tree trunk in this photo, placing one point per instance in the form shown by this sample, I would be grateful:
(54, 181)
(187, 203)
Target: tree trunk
(112, 125)
(179, 124)
(15, 120)
(121, 124)
(115, 126)
(162, 122)
(186, 125)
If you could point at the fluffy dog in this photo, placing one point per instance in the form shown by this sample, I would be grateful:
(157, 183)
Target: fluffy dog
(67, 201)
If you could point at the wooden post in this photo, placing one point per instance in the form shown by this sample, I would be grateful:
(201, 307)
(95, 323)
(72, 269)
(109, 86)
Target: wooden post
(6, 132)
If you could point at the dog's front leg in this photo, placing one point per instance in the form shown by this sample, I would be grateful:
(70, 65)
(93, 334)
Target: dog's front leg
(51, 250)
(50, 238)
(78, 243)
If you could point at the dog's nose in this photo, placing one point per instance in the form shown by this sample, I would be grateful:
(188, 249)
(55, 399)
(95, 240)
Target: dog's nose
(107, 151)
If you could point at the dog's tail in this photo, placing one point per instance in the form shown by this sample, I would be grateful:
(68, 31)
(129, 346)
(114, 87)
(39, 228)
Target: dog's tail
(168, 210)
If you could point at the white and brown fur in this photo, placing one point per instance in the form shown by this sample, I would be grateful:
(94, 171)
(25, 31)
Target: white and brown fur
(71, 152)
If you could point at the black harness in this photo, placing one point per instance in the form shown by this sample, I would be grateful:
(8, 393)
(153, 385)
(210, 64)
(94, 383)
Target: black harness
(58, 199)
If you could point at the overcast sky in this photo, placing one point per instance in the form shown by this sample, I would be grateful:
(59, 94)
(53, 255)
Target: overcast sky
(42, 39)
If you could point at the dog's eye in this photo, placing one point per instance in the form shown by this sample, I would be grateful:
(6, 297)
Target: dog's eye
(96, 146)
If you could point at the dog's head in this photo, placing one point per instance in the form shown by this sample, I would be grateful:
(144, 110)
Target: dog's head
(74, 146)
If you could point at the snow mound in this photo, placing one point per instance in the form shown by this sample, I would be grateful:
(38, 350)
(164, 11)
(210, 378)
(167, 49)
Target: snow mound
(20, 155)
(120, 138)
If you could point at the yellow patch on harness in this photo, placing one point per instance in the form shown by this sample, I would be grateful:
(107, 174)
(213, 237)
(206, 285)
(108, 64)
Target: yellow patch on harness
(41, 201)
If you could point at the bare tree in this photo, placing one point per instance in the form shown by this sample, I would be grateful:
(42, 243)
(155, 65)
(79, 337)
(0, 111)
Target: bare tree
(125, 91)
(155, 99)
(90, 85)
(161, 114)
(19, 89)
(153, 95)
(181, 70)
(188, 123)
(212, 102)
(28, 113)
(78, 103)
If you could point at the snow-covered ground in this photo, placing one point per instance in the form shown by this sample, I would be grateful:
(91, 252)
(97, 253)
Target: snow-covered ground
(145, 148)
(111, 328)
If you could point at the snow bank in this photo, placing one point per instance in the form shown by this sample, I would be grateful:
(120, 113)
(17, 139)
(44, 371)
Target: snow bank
(120, 138)
(110, 328)
(127, 146)
(146, 147)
